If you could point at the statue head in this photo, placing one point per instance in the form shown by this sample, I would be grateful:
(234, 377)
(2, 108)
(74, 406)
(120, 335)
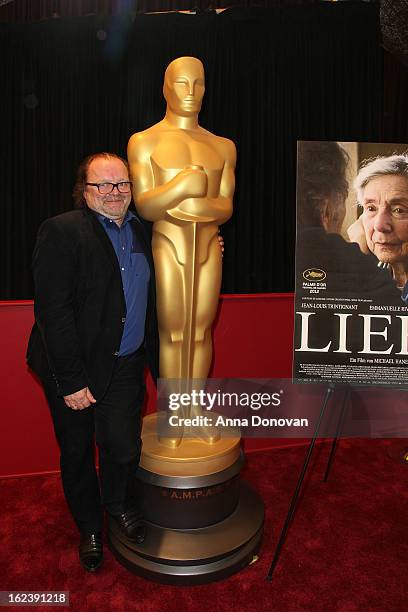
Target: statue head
(184, 86)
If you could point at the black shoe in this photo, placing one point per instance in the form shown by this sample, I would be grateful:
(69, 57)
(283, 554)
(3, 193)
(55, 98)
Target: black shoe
(91, 551)
(131, 525)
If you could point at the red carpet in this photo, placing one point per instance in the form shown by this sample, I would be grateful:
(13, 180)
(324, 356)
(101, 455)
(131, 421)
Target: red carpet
(347, 548)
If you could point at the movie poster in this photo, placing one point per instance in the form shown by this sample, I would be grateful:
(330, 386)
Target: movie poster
(351, 305)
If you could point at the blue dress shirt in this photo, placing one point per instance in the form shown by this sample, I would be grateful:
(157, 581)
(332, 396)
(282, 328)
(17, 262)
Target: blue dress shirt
(135, 273)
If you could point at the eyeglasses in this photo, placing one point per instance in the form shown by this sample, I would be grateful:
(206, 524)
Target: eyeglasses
(105, 188)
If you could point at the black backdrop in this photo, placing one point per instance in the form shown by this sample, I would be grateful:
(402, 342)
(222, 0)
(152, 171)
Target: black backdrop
(73, 86)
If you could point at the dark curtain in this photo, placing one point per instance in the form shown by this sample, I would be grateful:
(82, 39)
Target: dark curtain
(29, 10)
(78, 85)
(395, 99)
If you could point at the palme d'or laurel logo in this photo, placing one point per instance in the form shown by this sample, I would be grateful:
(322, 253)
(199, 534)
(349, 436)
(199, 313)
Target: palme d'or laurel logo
(314, 274)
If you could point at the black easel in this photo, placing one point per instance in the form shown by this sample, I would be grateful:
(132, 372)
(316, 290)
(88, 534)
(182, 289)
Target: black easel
(328, 395)
(337, 434)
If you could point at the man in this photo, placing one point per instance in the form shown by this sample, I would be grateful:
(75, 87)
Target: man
(94, 325)
(382, 192)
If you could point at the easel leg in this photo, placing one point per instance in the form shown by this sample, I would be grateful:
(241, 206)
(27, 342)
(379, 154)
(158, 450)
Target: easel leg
(292, 506)
(337, 435)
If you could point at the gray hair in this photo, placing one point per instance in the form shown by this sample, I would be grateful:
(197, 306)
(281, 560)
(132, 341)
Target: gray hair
(379, 166)
(321, 175)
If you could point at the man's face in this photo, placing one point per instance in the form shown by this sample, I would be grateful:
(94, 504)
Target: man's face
(184, 86)
(385, 218)
(113, 205)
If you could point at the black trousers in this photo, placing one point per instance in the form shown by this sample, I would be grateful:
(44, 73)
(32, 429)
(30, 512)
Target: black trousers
(114, 422)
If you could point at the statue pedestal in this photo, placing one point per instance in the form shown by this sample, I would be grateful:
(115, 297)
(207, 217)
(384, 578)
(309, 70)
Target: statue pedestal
(203, 523)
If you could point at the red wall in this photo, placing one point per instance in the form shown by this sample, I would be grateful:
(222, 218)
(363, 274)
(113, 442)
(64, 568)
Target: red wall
(252, 338)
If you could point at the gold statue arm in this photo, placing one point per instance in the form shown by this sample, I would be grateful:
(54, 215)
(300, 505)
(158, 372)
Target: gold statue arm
(219, 208)
(190, 184)
(153, 202)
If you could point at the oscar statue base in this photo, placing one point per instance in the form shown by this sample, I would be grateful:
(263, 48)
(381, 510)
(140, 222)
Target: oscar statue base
(202, 523)
(398, 450)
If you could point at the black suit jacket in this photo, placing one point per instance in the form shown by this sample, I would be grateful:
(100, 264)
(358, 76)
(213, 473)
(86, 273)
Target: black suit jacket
(79, 303)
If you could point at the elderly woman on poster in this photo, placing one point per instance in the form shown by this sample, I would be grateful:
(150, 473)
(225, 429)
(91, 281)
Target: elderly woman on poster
(382, 192)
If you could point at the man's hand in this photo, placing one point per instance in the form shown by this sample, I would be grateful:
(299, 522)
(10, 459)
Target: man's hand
(356, 234)
(221, 243)
(80, 399)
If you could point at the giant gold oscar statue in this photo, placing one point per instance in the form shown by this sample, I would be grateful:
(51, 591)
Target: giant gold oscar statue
(203, 524)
